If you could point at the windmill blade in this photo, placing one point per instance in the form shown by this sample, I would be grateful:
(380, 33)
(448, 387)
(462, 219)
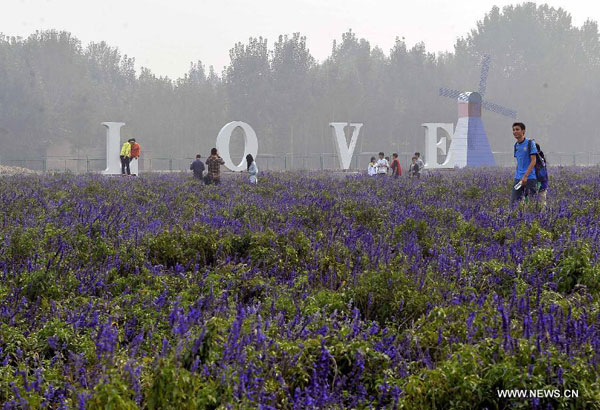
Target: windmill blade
(485, 69)
(447, 92)
(499, 109)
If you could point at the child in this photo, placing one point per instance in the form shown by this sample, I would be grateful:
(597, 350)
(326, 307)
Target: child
(371, 170)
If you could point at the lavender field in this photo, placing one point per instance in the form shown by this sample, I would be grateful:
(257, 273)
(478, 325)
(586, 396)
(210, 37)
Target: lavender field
(305, 291)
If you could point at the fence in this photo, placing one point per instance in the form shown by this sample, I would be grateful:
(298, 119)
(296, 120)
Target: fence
(278, 162)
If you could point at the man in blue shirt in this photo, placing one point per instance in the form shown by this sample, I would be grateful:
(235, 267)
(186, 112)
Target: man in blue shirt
(525, 151)
(198, 167)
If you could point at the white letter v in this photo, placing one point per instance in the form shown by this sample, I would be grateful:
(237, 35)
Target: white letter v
(345, 152)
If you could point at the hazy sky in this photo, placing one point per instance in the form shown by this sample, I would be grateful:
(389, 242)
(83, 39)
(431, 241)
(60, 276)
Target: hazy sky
(166, 35)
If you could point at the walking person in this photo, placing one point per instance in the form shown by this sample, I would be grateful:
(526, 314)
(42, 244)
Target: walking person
(125, 158)
(382, 165)
(525, 181)
(396, 169)
(198, 167)
(252, 168)
(372, 167)
(213, 164)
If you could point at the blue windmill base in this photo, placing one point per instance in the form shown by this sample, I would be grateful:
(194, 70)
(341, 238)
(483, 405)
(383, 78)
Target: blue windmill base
(479, 152)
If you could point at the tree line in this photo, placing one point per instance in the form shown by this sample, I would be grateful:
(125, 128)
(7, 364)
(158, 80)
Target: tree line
(54, 90)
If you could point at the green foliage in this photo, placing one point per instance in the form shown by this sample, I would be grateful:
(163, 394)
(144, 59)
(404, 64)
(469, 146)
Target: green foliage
(473, 192)
(388, 296)
(113, 395)
(575, 267)
(66, 339)
(534, 233)
(23, 243)
(170, 248)
(350, 308)
(471, 378)
(363, 214)
(41, 283)
(417, 226)
(172, 387)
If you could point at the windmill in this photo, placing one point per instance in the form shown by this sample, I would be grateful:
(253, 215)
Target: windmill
(470, 143)
(490, 106)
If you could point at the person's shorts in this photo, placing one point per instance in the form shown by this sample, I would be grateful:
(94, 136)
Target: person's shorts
(528, 190)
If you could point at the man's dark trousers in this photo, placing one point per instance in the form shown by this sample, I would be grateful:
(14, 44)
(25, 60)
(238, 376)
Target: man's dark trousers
(125, 165)
(529, 190)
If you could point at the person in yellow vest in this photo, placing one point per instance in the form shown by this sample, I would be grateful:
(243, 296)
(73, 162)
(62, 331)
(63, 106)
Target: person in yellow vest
(125, 157)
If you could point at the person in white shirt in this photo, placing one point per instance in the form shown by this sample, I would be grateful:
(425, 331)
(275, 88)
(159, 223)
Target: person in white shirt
(252, 168)
(382, 165)
(372, 168)
(420, 162)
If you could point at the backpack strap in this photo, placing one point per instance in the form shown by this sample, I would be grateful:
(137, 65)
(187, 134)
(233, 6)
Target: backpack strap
(528, 147)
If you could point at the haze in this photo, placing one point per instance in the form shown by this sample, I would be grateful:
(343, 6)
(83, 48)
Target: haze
(166, 35)
(72, 67)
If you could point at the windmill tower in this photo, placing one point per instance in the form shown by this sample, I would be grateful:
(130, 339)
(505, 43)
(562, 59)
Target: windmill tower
(472, 146)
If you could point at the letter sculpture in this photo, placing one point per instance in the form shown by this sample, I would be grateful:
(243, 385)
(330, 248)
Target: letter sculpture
(113, 149)
(113, 145)
(250, 144)
(469, 145)
(344, 151)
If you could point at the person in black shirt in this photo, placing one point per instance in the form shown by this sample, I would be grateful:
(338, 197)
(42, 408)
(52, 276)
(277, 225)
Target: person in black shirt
(198, 167)
(415, 169)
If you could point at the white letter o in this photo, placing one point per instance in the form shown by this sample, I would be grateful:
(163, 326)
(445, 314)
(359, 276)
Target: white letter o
(250, 144)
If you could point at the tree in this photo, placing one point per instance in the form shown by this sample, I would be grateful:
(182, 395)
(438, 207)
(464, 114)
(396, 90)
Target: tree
(248, 86)
(291, 97)
(200, 109)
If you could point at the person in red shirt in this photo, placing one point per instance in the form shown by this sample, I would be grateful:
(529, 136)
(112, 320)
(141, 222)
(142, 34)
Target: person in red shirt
(396, 169)
(136, 150)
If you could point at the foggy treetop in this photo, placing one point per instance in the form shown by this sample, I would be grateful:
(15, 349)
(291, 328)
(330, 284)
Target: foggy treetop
(56, 91)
